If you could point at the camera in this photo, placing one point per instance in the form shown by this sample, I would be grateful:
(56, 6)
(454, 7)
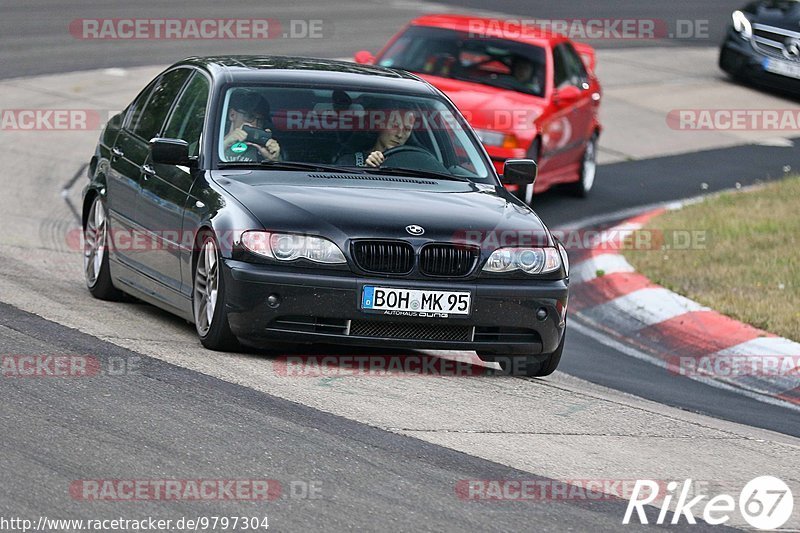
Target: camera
(256, 136)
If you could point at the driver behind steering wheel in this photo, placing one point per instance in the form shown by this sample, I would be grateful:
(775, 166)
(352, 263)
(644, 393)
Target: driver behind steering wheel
(396, 122)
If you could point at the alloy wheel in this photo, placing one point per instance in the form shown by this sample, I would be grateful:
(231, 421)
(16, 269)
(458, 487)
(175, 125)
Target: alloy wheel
(94, 242)
(206, 287)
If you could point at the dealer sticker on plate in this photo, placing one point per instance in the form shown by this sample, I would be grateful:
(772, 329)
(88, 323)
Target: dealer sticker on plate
(422, 303)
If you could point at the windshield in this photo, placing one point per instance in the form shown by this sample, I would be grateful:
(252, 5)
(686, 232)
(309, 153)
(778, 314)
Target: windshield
(360, 131)
(450, 54)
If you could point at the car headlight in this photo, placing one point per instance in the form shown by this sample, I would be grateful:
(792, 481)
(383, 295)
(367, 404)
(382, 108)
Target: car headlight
(528, 260)
(290, 247)
(498, 139)
(742, 24)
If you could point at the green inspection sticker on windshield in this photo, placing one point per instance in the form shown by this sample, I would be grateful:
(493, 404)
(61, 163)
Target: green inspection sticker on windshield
(238, 148)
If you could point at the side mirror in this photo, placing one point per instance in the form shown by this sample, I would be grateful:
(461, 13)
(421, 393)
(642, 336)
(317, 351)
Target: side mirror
(170, 151)
(567, 95)
(364, 58)
(519, 172)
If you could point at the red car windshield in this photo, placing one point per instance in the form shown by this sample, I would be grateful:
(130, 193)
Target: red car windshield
(451, 54)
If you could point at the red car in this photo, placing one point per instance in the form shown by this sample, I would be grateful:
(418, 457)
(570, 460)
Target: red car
(528, 92)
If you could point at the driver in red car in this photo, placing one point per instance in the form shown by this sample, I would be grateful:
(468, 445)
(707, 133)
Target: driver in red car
(526, 74)
(394, 123)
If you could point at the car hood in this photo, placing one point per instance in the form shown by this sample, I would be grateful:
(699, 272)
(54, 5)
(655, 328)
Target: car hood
(357, 208)
(490, 107)
(779, 13)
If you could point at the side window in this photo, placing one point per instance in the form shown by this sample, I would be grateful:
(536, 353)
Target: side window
(189, 115)
(568, 67)
(560, 71)
(577, 67)
(147, 120)
(135, 110)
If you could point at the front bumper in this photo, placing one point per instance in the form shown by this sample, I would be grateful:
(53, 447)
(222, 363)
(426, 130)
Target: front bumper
(739, 59)
(325, 308)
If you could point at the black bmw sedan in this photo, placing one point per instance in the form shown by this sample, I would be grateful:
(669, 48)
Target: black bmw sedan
(762, 45)
(275, 199)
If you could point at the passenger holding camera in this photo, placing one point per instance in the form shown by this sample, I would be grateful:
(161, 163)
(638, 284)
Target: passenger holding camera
(247, 139)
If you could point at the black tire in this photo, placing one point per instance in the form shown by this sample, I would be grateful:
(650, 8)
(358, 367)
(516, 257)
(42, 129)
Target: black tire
(96, 270)
(532, 366)
(584, 185)
(217, 335)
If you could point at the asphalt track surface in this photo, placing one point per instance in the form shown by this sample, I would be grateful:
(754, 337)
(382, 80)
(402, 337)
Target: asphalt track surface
(702, 23)
(170, 417)
(36, 37)
(166, 418)
(628, 185)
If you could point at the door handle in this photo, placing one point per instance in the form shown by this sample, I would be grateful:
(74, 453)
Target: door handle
(117, 152)
(147, 171)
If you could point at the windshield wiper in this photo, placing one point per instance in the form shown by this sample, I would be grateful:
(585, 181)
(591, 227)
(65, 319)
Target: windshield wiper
(402, 171)
(291, 165)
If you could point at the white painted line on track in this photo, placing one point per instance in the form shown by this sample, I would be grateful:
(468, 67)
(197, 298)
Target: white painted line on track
(770, 361)
(118, 72)
(651, 305)
(764, 346)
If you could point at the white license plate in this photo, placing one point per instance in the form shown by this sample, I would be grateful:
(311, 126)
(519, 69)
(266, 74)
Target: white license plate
(412, 302)
(784, 68)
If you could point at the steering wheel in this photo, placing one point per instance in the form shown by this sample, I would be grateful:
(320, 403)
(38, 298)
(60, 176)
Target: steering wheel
(412, 157)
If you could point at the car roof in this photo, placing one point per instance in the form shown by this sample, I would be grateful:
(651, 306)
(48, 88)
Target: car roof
(518, 30)
(307, 70)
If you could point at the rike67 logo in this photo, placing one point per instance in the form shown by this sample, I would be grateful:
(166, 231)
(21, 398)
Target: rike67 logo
(765, 503)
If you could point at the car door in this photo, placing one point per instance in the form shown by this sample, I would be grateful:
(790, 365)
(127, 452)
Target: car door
(129, 157)
(165, 188)
(567, 129)
(583, 109)
(122, 180)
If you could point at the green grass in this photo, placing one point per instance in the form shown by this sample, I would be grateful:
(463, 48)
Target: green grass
(749, 265)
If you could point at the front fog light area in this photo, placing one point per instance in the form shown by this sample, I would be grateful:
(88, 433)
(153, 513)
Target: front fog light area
(290, 247)
(528, 260)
